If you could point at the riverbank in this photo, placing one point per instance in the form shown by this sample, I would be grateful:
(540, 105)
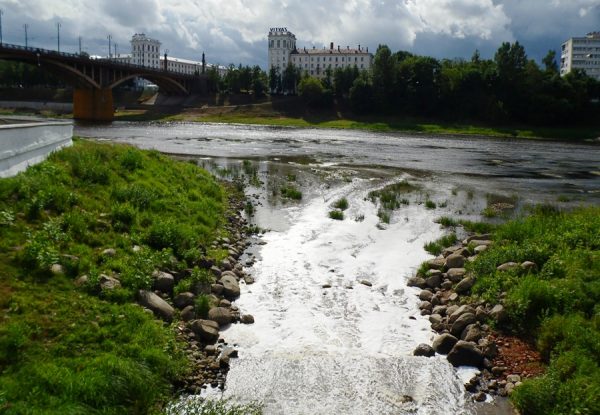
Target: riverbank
(521, 305)
(86, 238)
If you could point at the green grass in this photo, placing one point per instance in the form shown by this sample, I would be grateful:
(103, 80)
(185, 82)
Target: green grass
(66, 349)
(436, 247)
(291, 192)
(391, 197)
(447, 222)
(214, 407)
(430, 204)
(336, 214)
(341, 204)
(557, 304)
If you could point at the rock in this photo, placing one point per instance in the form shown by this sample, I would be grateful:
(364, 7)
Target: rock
(163, 282)
(221, 315)
(216, 289)
(479, 242)
(498, 313)
(425, 295)
(507, 266)
(464, 285)
(529, 266)
(188, 314)
(226, 264)
(108, 283)
(247, 319)
(206, 330)
(457, 312)
(465, 354)
(443, 343)
(461, 323)
(231, 288)
(479, 249)
(425, 305)
(471, 333)
(454, 261)
(433, 272)
(482, 237)
(248, 280)
(434, 281)
(435, 300)
(439, 309)
(451, 309)
(109, 252)
(424, 350)
(479, 397)
(488, 348)
(416, 282)
(225, 303)
(480, 314)
(453, 297)
(435, 319)
(451, 250)
(57, 269)
(446, 285)
(216, 271)
(436, 263)
(158, 306)
(367, 283)
(182, 300)
(456, 274)
(136, 248)
(513, 378)
(82, 280)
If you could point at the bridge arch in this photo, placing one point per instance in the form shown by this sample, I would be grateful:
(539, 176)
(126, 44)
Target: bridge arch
(166, 83)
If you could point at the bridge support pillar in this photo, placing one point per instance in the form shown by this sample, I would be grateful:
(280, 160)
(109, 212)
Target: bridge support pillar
(93, 104)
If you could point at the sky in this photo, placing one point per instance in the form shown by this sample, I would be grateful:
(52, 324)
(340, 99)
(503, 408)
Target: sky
(235, 31)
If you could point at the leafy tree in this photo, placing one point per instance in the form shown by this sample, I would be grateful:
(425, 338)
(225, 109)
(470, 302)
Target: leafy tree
(361, 93)
(550, 63)
(383, 77)
(259, 81)
(311, 90)
(290, 78)
(274, 80)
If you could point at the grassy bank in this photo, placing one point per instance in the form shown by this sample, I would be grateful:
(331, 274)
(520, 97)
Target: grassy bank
(292, 113)
(68, 346)
(556, 303)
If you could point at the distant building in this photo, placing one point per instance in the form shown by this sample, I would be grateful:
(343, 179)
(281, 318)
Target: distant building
(313, 61)
(581, 53)
(145, 51)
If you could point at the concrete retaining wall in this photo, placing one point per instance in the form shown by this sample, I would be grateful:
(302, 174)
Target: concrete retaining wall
(25, 141)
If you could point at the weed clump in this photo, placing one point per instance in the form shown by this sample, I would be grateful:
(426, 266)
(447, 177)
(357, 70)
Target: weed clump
(336, 214)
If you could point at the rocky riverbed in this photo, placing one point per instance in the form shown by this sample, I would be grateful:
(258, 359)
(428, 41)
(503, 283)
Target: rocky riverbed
(465, 328)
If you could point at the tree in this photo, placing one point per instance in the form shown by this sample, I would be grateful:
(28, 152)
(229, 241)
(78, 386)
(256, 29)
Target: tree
(383, 77)
(311, 90)
(259, 81)
(274, 80)
(290, 78)
(361, 94)
(549, 62)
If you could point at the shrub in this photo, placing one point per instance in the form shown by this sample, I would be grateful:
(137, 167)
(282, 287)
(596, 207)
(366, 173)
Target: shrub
(202, 305)
(131, 159)
(341, 204)
(290, 192)
(169, 234)
(436, 247)
(430, 204)
(447, 222)
(123, 216)
(336, 214)
(383, 215)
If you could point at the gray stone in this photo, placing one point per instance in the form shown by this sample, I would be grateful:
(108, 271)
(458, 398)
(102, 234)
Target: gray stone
(231, 288)
(456, 274)
(435, 319)
(440, 309)
(156, 304)
(247, 319)
(163, 282)
(82, 280)
(498, 313)
(488, 348)
(455, 261)
(446, 285)
(443, 343)
(529, 266)
(479, 242)
(434, 281)
(453, 297)
(108, 283)
(216, 271)
(110, 252)
(451, 309)
(248, 280)
(206, 330)
(57, 269)
(432, 272)
(461, 322)
(225, 303)
(436, 263)
(513, 378)
(481, 314)
(188, 313)
(416, 282)
(425, 305)
(424, 350)
(451, 250)
(221, 315)
(226, 264)
(480, 248)
(216, 289)
(482, 237)
(471, 333)
(507, 266)
(465, 354)
(464, 285)
(425, 295)
(182, 300)
(457, 312)
(366, 282)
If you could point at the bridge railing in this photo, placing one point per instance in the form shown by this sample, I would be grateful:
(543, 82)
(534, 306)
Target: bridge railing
(48, 52)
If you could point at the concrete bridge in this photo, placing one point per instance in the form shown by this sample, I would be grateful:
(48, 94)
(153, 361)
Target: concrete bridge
(94, 79)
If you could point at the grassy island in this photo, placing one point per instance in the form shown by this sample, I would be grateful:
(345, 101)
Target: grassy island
(70, 344)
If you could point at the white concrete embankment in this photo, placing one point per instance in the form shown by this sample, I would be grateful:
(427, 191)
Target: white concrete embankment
(25, 141)
(65, 107)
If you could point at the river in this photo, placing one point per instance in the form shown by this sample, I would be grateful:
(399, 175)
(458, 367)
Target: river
(335, 323)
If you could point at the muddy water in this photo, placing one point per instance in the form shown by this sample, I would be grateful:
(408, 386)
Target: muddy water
(335, 323)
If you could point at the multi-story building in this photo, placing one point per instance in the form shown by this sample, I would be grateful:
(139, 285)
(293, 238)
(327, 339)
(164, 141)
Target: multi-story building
(581, 53)
(313, 61)
(145, 51)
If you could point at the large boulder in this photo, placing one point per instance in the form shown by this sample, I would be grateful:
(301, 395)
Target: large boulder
(443, 343)
(231, 288)
(206, 330)
(465, 354)
(456, 274)
(221, 315)
(424, 350)
(498, 313)
(455, 261)
(425, 295)
(436, 263)
(453, 314)
(182, 300)
(461, 322)
(156, 304)
(507, 266)
(108, 283)
(464, 285)
(434, 281)
(163, 282)
(416, 282)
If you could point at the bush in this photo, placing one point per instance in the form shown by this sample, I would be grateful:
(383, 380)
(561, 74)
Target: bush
(311, 90)
(430, 204)
(169, 234)
(436, 247)
(131, 159)
(290, 192)
(123, 216)
(336, 214)
(202, 305)
(341, 204)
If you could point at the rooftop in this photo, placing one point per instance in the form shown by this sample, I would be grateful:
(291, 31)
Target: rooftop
(331, 51)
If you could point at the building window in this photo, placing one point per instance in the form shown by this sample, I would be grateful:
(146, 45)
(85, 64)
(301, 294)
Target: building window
(278, 43)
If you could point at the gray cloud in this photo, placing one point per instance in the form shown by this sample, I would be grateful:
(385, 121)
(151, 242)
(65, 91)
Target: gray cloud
(235, 31)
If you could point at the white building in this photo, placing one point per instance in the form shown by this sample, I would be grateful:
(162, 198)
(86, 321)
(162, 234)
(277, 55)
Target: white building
(145, 51)
(282, 51)
(581, 53)
(282, 43)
